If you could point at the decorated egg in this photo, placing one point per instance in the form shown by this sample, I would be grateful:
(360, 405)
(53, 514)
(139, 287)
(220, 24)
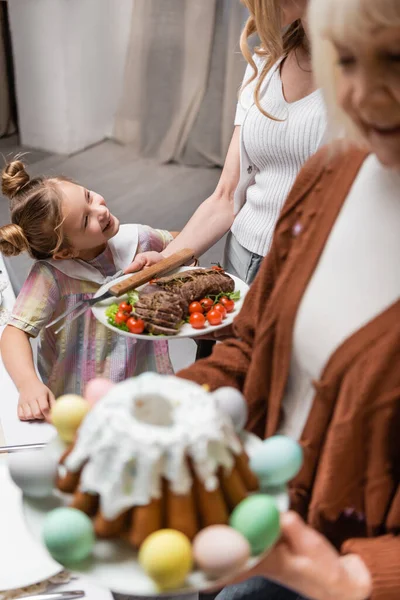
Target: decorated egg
(67, 414)
(219, 550)
(96, 389)
(69, 535)
(166, 556)
(232, 402)
(33, 471)
(277, 461)
(257, 519)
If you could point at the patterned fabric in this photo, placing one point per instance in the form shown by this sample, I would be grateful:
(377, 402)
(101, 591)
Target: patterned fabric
(84, 348)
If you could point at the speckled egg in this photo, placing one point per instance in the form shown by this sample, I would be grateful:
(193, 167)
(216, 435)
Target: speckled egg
(68, 535)
(257, 519)
(219, 550)
(67, 414)
(277, 461)
(96, 389)
(232, 402)
(166, 556)
(33, 471)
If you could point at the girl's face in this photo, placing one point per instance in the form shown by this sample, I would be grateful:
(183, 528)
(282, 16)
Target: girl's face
(88, 224)
(368, 89)
(292, 10)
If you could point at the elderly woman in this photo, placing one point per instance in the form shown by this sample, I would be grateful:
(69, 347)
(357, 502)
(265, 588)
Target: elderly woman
(317, 344)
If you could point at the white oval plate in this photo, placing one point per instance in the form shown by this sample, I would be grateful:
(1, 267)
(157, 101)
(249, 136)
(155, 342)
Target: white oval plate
(114, 563)
(186, 331)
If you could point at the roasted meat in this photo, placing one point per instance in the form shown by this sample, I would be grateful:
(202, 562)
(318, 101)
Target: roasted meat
(194, 284)
(162, 312)
(164, 304)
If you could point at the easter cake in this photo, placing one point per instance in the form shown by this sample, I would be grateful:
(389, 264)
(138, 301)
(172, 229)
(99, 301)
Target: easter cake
(156, 452)
(158, 462)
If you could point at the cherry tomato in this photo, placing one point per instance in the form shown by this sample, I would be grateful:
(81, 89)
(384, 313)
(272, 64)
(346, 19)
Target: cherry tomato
(207, 304)
(221, 309)
(135, 325)
(214, 317)
(125, 307)
(227, 303)
(195, 307)
(197, 320)
(121, 317)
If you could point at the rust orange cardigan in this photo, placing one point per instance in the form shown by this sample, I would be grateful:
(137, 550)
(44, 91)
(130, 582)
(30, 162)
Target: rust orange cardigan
(349, 486)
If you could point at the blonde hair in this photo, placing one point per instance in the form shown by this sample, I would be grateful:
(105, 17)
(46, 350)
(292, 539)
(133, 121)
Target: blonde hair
(343, 20)
(36, 214)
(265, 20)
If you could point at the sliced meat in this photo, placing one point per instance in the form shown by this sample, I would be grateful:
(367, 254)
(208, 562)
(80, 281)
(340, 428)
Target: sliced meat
(146, 313)
(165, 301)
(161, 311)
(157, 329)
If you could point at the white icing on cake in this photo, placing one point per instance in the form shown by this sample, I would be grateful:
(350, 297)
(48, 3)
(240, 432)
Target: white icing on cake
(143, 430)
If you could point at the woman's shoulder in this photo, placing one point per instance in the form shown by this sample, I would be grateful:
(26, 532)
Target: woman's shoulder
(250, 79)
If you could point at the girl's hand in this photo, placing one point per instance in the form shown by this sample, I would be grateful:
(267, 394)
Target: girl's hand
(143, 260)
(306, 562)
(35, 401)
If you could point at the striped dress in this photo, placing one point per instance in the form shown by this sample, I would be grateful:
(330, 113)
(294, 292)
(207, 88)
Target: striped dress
(85, 348)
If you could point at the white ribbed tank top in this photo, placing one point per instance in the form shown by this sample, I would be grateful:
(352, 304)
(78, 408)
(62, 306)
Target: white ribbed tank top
(278, 150)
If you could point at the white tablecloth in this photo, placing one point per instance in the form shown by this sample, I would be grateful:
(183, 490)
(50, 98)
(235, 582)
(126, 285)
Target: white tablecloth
(15, 432)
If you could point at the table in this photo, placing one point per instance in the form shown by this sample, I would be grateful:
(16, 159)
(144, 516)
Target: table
(14, 432)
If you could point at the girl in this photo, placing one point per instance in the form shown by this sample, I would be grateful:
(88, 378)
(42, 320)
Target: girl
(318, 340)
(78, 245)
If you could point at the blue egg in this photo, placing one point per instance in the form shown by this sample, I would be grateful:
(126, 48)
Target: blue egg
(69, 535)
(277, 461)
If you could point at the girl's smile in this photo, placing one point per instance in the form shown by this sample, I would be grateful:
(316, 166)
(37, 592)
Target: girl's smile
(88, 223)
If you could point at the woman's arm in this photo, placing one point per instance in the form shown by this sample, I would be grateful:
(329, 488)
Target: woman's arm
(214, 216)
(211, 220)
(35, 399)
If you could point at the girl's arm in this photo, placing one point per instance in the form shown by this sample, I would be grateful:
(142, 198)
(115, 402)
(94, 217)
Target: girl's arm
(211, 220)
(35, 399)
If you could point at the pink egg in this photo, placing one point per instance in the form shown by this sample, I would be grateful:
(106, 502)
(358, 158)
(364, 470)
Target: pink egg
(220, 550)
(96, 389)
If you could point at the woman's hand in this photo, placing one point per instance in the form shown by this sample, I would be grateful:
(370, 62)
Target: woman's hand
(306, 562)
(143, 260)
(35, 401)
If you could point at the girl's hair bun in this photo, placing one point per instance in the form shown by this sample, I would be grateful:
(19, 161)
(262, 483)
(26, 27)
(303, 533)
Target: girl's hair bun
(14, 178)
(13, 240)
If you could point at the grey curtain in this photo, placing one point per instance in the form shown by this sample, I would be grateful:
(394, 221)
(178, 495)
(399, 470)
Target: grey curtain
(183, 73)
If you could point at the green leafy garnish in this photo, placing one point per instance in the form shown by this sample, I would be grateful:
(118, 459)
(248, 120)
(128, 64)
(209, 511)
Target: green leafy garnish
(133, 297)
(111, 311)
(235, 296)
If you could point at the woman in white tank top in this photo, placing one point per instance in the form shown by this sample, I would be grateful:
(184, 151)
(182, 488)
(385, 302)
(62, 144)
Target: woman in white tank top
(279, 124)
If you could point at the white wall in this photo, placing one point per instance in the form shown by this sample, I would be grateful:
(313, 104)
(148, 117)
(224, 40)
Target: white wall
(69, 60)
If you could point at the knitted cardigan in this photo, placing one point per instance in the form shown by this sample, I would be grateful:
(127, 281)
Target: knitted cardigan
(349, 486)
